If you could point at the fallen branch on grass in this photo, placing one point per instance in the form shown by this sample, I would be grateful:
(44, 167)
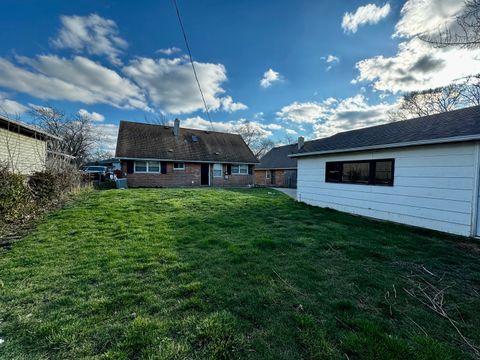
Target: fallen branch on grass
(434, 298)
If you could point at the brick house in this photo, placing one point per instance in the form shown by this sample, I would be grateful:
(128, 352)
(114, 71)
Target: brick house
(276, 168)
(166, 156)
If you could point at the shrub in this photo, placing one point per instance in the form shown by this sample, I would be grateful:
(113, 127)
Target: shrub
(43, 186)
(22, 196)
(14, 196)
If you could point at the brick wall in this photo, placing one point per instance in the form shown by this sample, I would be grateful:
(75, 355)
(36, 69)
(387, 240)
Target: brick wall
(190, 176)
(262, 180)
(231, 180)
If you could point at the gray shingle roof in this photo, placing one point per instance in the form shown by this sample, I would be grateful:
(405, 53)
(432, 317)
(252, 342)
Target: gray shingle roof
(278, 158)
(148, 141)
(432, 129)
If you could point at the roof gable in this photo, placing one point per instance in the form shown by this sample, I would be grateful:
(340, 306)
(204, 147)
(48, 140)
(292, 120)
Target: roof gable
(432, 129)
(277, 158)
(148, 141)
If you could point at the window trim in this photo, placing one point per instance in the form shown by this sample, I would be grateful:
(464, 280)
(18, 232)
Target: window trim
(179, 168)
(221, 170)
(371, 178)
(239, 173)
(147, 167)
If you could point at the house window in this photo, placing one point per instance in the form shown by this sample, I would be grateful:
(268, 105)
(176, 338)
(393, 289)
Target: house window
(179, 166)
(147, 166)
(240, 169)
(153, 166)
(217, 170)
(368, 172)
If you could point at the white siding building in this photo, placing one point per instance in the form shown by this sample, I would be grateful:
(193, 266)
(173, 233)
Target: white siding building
(431, 183)
(22, 148)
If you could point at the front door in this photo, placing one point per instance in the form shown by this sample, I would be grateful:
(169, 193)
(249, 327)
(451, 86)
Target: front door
(272, 177)
(205, 174)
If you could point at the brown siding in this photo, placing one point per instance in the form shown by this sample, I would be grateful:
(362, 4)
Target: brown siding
(191, 176)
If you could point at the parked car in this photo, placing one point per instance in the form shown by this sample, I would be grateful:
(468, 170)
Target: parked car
(95, 172)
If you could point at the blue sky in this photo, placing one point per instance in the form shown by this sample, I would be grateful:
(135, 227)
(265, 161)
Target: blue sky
(307, 67)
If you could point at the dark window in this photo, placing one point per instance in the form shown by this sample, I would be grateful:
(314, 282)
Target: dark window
(369, 172)
(384, 172)
(356, 172)
(333, 172)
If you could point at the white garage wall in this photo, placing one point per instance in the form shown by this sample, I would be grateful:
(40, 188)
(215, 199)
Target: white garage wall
(433, 187)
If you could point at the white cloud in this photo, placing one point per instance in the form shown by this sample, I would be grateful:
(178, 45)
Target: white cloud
(230, 106)
(92, 115)
(169, 51)
(367, 14)
(269, 77)
(349, 114)
(11, 107)
(93, 34)
(108, 136)
(198, 122)
(332, 116)
(307, 112)
(171, 85)
(78, 79)
(332, 59)
(273, 126)
(424, 16)
(417, 65)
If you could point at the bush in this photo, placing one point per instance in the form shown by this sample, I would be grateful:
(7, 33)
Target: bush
(43, 186)
(22, 196)
(14, 196)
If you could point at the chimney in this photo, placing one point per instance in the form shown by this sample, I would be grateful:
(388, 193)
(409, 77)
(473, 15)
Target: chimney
(176, 128)
(301, 142)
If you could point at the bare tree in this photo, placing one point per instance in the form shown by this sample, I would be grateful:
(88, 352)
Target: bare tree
(78, 135)
(157, 119)
(471, 90)
(428, 102)
(255, 138)
(463, 33)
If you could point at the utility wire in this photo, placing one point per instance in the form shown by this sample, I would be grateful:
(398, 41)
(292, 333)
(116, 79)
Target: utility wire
(191, 62)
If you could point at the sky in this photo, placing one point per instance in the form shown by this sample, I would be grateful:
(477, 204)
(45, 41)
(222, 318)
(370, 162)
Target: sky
(307, 68)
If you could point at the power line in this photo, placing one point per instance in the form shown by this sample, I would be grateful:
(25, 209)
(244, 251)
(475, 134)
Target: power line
(191, 62)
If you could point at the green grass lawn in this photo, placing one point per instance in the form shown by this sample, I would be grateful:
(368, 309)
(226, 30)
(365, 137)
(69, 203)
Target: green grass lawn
(219, 274)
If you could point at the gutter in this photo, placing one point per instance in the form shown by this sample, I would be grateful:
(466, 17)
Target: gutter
(186, 161)
(389, 146)
(27, 127)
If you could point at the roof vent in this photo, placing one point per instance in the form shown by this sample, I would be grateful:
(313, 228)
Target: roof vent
(217, 153)
(170, 150)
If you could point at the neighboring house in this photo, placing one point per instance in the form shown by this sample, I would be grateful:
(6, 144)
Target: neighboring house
(422, 172)
(22, 147)
(277, 169)
(157, 155)
(111, 163)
